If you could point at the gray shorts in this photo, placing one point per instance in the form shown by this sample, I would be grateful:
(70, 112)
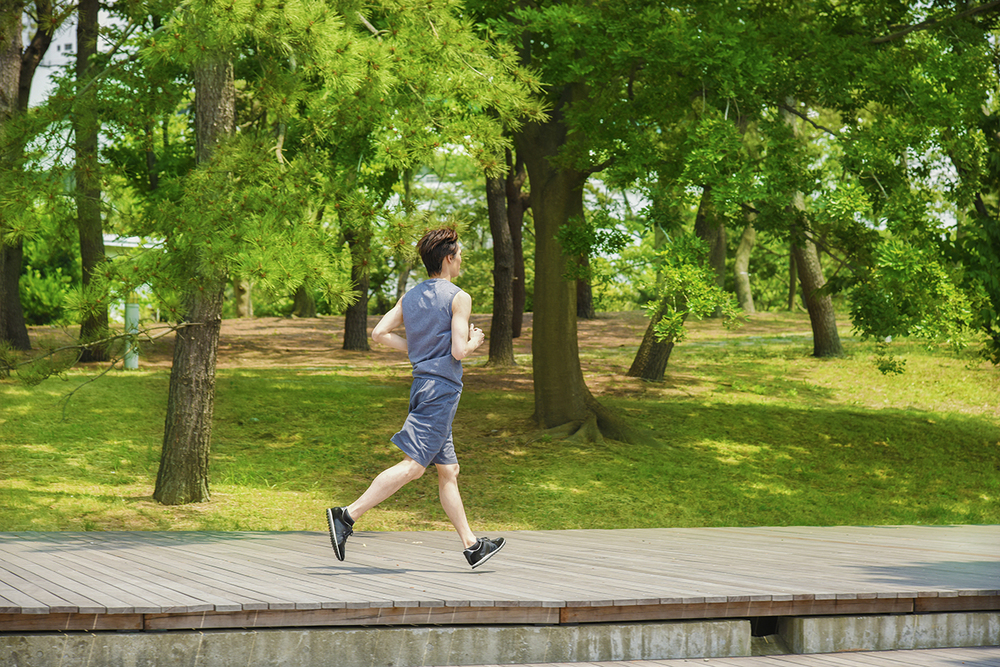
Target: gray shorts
(426, 433)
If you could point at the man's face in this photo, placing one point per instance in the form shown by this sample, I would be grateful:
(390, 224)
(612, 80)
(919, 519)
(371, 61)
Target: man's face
(456, 261)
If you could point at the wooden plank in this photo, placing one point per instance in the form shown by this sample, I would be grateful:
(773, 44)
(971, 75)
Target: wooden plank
(635, 577)
(128, 577)
(980, 657)
(69, 622)
(137, 596)
(354, 617)
(28, 585)
(293, 588)
(94, 598)
(210, 575)
(20, 602)
(73, 593)
(958, 603)
(728, 565)
(698, 564)
(251, 588)
(8, 607)
(442, 594)
(180, 586)
(620, 614)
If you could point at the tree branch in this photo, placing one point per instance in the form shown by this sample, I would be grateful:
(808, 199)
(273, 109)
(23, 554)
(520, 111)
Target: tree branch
(601, 166)
(933, 23)
(378, 33)
(810, 120)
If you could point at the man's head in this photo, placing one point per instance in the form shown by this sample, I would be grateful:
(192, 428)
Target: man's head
(435, 246)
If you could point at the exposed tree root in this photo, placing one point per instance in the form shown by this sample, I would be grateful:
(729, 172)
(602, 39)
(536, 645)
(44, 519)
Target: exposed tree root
(600, 424)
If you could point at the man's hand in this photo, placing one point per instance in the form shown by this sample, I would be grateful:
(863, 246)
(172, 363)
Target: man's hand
(476, 336)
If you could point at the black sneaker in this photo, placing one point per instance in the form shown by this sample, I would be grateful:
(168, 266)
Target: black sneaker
(483, 550)
(340, 523)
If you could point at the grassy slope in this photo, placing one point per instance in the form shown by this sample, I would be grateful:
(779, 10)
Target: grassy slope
(752, 432)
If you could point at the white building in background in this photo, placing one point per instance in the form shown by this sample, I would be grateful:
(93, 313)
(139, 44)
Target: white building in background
(61, 54)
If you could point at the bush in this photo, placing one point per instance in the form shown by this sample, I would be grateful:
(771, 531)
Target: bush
(50, 271)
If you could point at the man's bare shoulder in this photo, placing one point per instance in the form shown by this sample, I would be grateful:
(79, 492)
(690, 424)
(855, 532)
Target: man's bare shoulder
(462, 301)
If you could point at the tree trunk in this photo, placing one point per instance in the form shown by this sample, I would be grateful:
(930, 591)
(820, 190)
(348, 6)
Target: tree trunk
(183, 473)
(86, 127)
(585, 296)
(562, 398)
(793, 277)
(242, 296)
(517, 203)
(650, 361)
(826, 340)
(710, 227)
(560, 392)
(744, 293)
(402, 279)
(215, 105)
(651, 358)
(152, 173)
(13, 330)
(356, 315)
(405, 264)
(303, 304)
(501, 341)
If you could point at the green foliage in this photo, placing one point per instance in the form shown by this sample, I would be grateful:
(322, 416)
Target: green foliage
(49, 272)
(909, 292)
(583, 239)
(332, 103)
(686, 287)
(981, 252)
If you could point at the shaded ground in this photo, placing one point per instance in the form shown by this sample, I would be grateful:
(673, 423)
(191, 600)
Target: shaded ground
(276, 342)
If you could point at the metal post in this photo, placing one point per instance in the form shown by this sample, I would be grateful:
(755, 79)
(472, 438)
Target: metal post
(132, 328)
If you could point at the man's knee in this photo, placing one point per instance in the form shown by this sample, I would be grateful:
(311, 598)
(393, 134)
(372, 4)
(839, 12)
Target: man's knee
(448, 472)
(413, 469)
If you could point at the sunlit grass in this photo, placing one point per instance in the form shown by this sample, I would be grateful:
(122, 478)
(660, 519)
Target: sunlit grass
(750, 431)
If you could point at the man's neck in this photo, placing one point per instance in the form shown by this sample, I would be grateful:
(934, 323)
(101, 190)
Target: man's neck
(445, 274)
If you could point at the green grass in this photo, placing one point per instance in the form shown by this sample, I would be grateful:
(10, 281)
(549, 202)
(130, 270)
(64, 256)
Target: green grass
(751, 431)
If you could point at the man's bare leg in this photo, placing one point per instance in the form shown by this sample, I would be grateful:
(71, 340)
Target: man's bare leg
(451, 501)
(388, 482)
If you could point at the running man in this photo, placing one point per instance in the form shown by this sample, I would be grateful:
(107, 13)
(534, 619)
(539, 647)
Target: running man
(435, 316)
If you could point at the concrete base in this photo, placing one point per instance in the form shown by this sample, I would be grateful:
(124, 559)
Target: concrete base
(828, 634)
(383, 647)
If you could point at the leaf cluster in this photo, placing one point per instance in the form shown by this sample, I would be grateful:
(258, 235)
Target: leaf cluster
(686, 287)
(910, 292)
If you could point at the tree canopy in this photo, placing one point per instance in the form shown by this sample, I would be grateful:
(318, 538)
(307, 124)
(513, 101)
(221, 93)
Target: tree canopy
(264, 141)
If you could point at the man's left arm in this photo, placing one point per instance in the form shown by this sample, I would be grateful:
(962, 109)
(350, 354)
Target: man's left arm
(465, 337)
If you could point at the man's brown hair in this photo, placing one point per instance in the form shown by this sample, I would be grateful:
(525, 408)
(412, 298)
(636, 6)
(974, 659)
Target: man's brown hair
(435, 246)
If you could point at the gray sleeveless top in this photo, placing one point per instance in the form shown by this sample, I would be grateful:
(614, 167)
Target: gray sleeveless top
(427, 320)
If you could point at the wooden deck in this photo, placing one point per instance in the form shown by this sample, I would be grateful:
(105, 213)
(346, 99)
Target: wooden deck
(186, 580)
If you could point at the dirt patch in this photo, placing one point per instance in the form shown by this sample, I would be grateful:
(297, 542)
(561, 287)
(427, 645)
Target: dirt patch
(277, 342)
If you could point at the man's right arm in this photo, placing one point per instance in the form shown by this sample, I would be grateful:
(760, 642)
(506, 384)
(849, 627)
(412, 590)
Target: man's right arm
(383, 331)
(465, 338)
